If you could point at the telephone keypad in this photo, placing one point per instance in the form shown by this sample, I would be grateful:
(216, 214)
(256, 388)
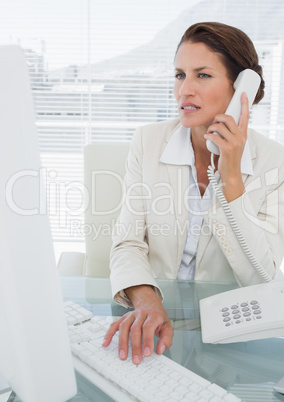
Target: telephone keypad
(238, 313)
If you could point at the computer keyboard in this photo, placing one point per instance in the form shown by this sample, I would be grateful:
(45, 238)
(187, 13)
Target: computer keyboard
(157, 378)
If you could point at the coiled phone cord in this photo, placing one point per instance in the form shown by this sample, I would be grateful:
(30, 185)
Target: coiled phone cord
(233, 223)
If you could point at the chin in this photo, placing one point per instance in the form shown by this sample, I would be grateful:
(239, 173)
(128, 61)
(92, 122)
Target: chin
(188, 123)
(185, 120)
(193, 121)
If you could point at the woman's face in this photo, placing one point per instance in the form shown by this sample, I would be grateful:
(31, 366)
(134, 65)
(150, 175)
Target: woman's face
(202, 88)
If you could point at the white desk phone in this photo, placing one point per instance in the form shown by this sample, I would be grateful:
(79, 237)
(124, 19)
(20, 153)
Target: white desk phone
(252, 312)
(248, 313)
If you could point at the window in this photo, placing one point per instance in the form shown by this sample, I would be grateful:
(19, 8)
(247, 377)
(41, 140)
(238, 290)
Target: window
(100, 69)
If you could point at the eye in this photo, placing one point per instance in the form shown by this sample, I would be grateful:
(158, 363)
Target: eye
(180, 76)
(202, 75)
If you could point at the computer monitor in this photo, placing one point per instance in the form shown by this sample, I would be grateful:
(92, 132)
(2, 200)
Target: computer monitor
(35, 357)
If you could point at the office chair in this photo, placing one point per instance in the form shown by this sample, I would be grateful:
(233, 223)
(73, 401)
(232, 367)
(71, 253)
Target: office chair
(104, 170)
(71, 263)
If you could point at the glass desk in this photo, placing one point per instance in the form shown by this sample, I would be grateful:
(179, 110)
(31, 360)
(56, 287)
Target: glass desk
(247, 369)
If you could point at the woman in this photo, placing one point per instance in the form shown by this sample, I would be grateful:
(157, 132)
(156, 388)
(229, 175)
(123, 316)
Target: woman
(173, 226)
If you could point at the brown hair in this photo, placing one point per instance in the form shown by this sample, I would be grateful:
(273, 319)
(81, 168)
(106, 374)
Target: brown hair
(235, 47)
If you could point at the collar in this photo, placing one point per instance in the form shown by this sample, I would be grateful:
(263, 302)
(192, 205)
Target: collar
(179, 151)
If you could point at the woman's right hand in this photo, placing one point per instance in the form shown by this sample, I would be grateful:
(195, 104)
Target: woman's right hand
(148, 319)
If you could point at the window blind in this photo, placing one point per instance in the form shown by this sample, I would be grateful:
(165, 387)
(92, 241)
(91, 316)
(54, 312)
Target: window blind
(99, 70)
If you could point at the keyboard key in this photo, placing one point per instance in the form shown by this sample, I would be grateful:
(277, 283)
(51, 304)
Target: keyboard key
(195, 387)
(206, 394)
(76, 348)
(181, 389)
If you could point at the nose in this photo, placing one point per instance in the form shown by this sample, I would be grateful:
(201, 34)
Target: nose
(187, 87)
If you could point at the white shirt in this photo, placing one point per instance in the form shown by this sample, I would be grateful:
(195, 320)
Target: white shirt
(179, 151)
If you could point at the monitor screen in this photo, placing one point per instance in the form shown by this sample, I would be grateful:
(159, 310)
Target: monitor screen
(35, 357)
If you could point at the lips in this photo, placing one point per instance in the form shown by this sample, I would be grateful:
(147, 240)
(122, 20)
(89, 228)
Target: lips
(189, 106)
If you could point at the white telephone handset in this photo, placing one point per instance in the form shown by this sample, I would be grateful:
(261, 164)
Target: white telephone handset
(248, 313)
(247, 81)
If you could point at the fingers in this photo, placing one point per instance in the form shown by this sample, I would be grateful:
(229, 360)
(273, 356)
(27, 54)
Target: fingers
(149, 328)
(224, 125)
(222, 139)
(140, 326)
(114, 327)
(229, 131)
(136, 332)
(142, 333)
(230, 122)
(123, 342)
(122, 325)
(244, 118)
(166, 339)
(225, 136)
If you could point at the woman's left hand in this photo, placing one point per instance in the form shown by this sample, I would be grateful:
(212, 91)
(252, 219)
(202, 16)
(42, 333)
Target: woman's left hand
(231, 149)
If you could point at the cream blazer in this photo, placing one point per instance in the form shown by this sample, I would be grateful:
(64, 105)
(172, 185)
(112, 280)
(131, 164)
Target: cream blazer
(150, 234)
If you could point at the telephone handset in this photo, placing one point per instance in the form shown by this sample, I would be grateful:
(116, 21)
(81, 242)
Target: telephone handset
(247, 81)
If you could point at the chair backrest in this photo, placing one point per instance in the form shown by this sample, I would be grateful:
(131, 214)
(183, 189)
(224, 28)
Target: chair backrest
(104, 170)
